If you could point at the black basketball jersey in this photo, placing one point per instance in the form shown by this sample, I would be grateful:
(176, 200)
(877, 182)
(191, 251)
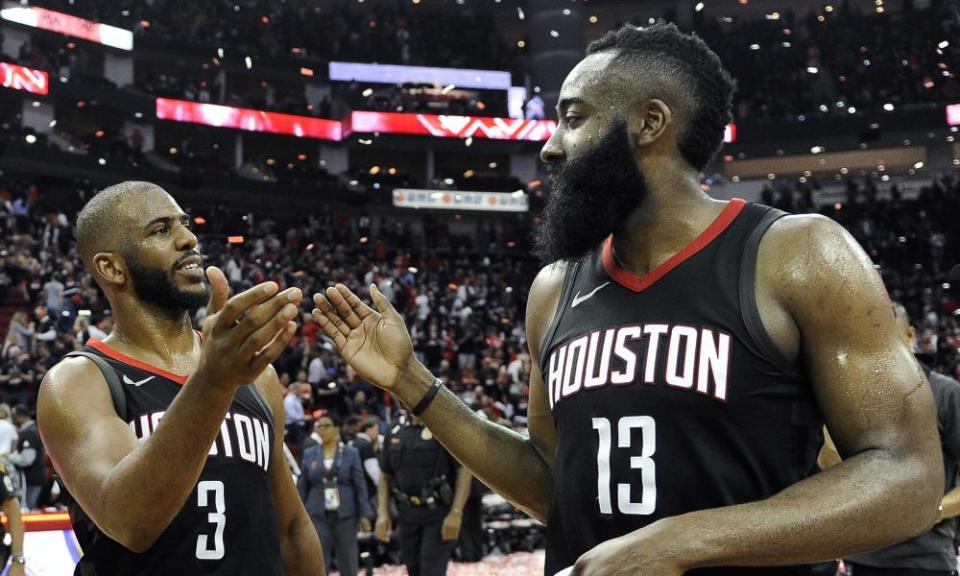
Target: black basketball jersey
(667, 394)
(228, 525)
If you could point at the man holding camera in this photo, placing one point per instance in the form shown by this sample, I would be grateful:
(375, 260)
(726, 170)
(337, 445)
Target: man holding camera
(430, 488)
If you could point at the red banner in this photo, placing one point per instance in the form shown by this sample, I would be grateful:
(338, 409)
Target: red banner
(22, 78)
(453, 126)
(467, 126)
(247, 119)
(69, 25)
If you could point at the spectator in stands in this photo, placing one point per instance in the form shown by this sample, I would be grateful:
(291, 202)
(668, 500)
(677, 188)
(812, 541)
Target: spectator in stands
(20, 333)
(17, 376)
(294, 414)
(367, 444)
(30, 456)
(8, 432)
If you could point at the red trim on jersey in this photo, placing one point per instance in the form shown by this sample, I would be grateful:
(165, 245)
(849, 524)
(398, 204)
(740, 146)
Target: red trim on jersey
(640, 283)
(121, 357)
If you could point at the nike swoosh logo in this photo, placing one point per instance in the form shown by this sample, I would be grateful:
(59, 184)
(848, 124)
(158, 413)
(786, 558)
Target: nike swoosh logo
(127, 380)
(578, 299)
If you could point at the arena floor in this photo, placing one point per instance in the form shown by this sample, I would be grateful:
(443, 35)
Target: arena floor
(516, 564)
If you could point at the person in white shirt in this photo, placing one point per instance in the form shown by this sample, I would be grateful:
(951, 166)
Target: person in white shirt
(8, 432)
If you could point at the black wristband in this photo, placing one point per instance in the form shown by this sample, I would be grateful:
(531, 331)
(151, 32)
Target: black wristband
(428, 397)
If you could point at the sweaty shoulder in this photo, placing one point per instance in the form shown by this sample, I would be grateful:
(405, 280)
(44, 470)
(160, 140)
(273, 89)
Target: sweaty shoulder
(73, 385)
(803, 251)
(809, 268)
(542, 303)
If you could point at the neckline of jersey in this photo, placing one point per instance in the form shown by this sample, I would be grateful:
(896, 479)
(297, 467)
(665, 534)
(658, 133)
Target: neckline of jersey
(121, 357)
(637, 283)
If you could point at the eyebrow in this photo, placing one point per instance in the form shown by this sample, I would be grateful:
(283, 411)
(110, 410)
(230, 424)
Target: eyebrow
(567, 102)
(167, 220)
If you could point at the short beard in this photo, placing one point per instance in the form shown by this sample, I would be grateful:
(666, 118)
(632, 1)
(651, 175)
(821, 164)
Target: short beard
(154, 286)
(591, 197)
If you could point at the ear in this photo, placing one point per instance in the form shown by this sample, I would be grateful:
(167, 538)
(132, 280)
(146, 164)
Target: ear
(911, 337)
(110, 268)
(648, 121)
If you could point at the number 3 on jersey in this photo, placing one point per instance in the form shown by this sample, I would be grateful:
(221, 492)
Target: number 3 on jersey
(644, 462)
(217, 517)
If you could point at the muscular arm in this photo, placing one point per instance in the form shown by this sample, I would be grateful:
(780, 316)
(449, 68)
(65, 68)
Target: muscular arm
(876, 404)
(131, 490)
(300, 545)
(518, 468)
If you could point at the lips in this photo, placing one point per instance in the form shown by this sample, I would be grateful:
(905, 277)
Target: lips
(191, 266)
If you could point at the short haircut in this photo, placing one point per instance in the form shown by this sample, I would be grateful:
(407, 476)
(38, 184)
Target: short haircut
(21, 410)
(99, 223)
(331, 417)
(369, 422)
(686, 60)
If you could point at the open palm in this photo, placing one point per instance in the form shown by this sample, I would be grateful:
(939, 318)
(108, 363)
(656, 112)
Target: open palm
(374, 342)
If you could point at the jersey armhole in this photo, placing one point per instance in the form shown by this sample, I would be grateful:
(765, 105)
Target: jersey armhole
(568, 280)
(748, 297)
(110, 376)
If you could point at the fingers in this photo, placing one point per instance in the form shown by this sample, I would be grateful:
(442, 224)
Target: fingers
(219, 290)
(334, 324)
(338, 296)
(266, 321)
(239, 304)
(380, 301)
(283, 304)
(322, 315)
(274, 348)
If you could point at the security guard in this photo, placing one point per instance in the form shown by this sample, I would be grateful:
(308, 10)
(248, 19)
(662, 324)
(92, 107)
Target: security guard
(430, 489)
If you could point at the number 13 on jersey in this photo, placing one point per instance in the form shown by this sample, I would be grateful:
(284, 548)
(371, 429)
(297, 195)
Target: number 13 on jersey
(647, 428)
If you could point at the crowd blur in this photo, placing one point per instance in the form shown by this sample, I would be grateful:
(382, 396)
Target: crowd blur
(463, 294)
(837, 61)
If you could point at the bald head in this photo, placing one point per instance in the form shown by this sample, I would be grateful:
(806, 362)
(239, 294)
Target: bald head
(104, 222)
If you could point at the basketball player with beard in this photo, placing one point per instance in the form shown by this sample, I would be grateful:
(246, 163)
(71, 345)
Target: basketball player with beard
(169, 440)
(688, 351)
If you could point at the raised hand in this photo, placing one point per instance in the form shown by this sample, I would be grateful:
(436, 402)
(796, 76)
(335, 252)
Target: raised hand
(374, 342)
(247, 333)
(219, 293)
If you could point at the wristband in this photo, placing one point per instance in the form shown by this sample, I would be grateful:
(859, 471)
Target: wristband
(18, 559)
(428, 397)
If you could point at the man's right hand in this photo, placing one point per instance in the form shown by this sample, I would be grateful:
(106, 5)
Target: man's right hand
(383, 527)
(247, 333)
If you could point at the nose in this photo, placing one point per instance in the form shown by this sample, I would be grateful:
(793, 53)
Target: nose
(551, 151)
(187, 240)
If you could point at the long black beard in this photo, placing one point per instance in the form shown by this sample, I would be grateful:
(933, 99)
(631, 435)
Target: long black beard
(591, 197)
(155, 287)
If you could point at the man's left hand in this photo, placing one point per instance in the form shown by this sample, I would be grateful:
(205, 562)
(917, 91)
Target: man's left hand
(451, 526)
(628, 555)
